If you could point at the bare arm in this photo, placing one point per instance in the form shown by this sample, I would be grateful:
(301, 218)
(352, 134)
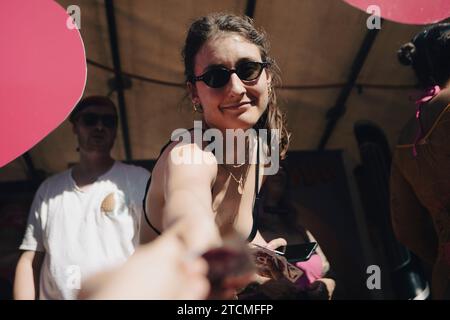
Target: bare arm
(188, 199)
(179, 274)
(26, 282)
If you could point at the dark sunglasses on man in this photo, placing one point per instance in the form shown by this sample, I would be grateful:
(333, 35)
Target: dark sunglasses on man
(90, 119)
(218, 76)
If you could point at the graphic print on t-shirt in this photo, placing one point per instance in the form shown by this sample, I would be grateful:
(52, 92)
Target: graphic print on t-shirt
(108, 204)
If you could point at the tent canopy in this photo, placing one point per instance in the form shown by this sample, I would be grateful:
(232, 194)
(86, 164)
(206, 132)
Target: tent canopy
(318, 45)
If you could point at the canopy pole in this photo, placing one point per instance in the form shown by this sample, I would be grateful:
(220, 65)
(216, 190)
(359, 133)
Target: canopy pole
(31, 169)
(114, 45)
(250, 9)
(335, 113)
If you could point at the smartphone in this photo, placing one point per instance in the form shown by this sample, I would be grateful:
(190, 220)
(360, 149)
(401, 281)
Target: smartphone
(299, 252)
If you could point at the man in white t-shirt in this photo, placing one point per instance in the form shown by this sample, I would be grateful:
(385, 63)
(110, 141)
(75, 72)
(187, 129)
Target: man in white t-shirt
(85, 219)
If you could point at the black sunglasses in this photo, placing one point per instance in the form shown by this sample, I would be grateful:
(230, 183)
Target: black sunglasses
(91, 119)
(217, 77)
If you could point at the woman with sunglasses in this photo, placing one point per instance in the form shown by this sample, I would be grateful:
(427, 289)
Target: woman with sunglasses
(230, 78)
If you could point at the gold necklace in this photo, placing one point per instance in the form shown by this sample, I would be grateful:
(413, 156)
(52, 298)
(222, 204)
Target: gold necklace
(239, 181)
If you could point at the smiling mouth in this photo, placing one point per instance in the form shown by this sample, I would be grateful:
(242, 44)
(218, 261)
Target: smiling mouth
(237, 105)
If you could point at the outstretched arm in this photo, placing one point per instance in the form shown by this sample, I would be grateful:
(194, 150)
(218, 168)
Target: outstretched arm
(187, 193)
(163, 269)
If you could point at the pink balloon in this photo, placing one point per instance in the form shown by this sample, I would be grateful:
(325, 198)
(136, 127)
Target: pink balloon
(408, 11)
(42, 73)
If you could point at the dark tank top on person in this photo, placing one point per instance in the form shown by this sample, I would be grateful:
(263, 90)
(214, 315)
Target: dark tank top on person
(256, 204)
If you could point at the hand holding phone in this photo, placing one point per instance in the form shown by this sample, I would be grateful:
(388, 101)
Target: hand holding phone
(272, 264)
(300, 252)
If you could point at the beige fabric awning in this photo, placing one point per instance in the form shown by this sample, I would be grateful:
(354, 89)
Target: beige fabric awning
(314, 43)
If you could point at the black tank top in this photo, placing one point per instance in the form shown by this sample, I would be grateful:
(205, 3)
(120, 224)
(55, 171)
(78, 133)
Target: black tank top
(256, 204)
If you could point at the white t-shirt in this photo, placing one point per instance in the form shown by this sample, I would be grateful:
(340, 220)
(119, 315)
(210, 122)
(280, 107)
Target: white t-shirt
(84, 231)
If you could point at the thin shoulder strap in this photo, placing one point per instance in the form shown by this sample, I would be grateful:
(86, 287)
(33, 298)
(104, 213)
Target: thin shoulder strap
(257, 169)
(256, 201)
(144, 204)
(430, 131)
(144, 201)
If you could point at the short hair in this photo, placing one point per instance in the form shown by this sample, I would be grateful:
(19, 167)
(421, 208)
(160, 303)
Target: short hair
(91, 101)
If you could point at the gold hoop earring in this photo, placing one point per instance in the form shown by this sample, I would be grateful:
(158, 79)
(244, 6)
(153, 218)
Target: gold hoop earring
(197, 107)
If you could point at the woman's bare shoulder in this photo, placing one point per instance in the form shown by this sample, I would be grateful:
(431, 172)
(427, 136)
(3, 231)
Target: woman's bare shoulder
(430, 113)
(188, 159)
(441, 101)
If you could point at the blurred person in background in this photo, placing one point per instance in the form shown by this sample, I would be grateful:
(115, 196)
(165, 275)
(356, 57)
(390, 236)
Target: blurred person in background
(85, 219)
(420, 176)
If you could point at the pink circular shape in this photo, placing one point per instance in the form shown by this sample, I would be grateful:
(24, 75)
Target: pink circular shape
(43, 73)
(408, 11)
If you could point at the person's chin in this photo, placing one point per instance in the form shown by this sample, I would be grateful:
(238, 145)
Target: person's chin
(241, 125)
(100, 148)
(244, 121)
(247, 119)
